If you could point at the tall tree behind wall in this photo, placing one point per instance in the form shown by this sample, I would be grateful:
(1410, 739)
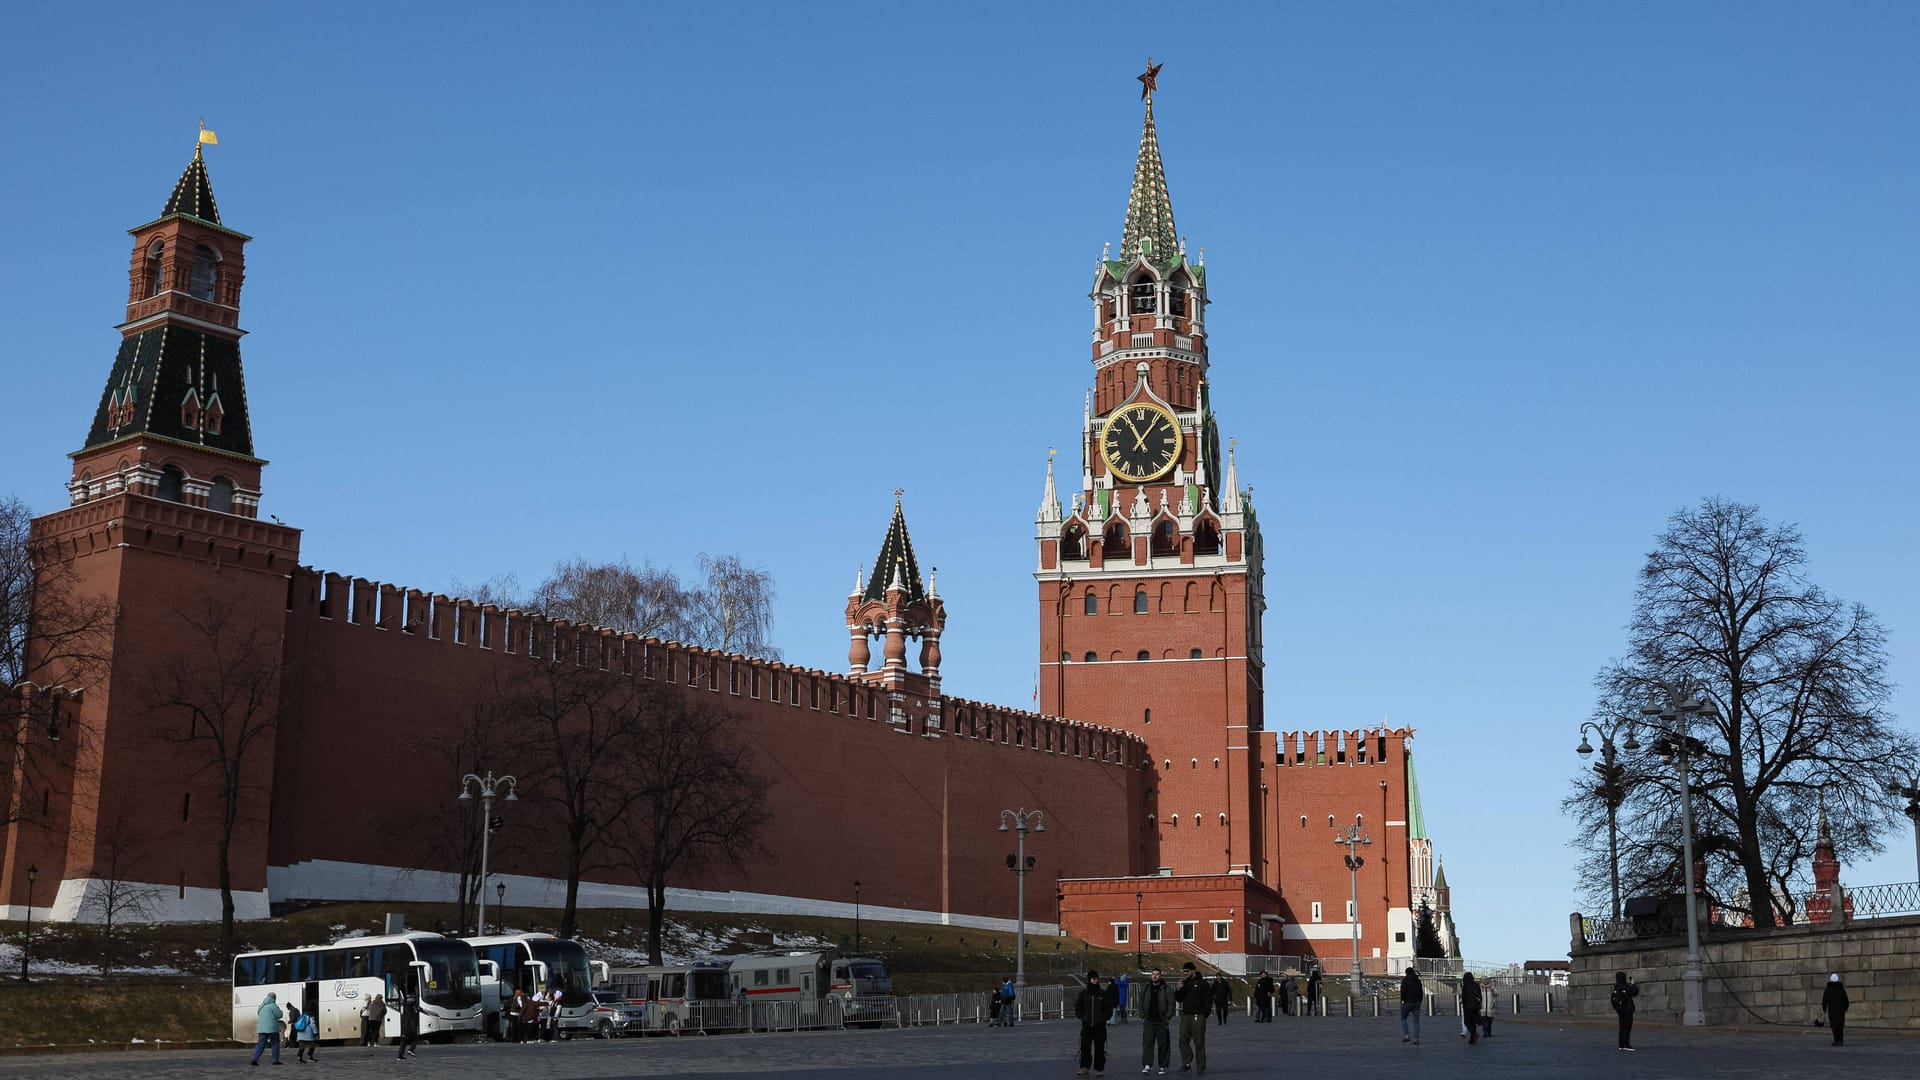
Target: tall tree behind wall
(730, 610)
(1799, 679)
(53, 637)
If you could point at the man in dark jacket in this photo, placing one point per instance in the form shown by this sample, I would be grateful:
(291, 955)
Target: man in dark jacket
(409, 1020)
(1196, 1000)
(1156, 1012)
(1412, 993)
(1313, 991)
(1263, 999)
(1222, 997)
(1094, 1008)
(1834, 1003)
(1621, 998)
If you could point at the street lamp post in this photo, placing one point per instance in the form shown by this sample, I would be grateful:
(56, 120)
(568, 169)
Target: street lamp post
(1683, 702)
(1351, 837)
(856, 916)
(1023, 820)
(500, 909)
(1910, 791)
(1611, 790)
(488, 787)
(1138, 928)
(33, 874)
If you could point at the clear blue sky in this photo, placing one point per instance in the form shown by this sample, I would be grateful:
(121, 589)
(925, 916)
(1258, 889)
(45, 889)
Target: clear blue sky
(1497, 288)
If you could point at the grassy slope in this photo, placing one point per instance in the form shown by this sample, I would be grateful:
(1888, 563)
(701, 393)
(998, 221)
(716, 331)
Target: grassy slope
(193, 1004)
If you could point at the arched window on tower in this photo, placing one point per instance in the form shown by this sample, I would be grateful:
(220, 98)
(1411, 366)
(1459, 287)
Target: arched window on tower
(1114, 544)
(220, 496)
(1139, 601)
(173, 483)
(1093, 603)
(155, 272)
(206, 272)
(1206, 537)
(1166, 539)
(1177, 300)
(1092, 657)
(1070, 543)
(1142, 295)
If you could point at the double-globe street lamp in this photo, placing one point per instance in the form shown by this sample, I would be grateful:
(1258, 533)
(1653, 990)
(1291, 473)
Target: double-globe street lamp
(1138, 926)
(33, 875)
(1612, 790)
(1023, 821)
(488, 787)
(856, 916)
(1351, 838)
(1684, 701)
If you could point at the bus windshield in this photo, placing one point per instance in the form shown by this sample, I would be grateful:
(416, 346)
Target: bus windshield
(566, 968)
(453, 981)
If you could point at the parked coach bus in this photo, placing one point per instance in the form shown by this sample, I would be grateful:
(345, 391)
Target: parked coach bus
(534, 962)
(332, 982)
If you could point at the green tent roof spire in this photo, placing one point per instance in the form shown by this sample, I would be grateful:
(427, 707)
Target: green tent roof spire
(193, 193)
(1149, 208)
(1416, 817)
(896, 555)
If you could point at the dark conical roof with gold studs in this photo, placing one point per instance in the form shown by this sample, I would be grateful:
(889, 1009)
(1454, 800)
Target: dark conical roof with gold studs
(896, 553)
(193, 194)
(1149, 208)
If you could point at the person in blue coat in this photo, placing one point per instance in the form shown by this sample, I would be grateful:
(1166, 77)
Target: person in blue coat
(267, 1028)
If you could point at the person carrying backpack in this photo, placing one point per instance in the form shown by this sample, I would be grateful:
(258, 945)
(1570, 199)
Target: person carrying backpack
(1622, 1001)
(306, 1037)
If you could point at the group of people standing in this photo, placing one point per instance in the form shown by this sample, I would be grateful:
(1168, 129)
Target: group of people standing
(531, 1018)
(273, 1024)
(1158, 1005)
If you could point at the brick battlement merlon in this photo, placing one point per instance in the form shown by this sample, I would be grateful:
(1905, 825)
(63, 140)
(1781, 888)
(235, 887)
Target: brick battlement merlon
(434, 617)
(1345, 748)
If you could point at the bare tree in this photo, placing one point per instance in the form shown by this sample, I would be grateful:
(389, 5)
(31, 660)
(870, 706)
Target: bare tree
(733, 611)
(218, 697)
(580, 721)
(1799, 679)
(54, 640)
(644, 600)
(115, 893)
(701, 803)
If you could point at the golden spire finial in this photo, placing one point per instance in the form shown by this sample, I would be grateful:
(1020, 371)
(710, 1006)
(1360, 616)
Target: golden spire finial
(207, 138)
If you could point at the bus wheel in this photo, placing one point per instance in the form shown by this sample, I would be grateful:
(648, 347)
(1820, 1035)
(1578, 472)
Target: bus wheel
(603, 1030)
(673, 1025)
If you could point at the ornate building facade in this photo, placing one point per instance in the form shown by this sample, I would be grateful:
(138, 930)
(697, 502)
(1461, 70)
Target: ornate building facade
(1175, 818)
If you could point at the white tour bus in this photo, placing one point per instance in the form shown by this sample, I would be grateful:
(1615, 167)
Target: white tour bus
(534, 962)
(332, 982)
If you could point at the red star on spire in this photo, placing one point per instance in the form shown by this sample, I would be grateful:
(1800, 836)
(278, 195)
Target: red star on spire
(1150, 81)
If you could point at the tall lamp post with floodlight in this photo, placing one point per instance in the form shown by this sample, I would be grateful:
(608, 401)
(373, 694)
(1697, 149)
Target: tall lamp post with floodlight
(856, 916)
(1612, 790)
(1023, 821)
(1351, 838)
(488, 787)
(1138, 926)
(33, 875)
(1675, 715)
(500, 909)
(1910, 791)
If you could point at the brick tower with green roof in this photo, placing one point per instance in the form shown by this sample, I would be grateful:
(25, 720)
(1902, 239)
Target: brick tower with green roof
(172, 421)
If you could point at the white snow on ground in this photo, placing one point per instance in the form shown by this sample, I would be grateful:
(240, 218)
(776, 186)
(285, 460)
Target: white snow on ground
(10, 961)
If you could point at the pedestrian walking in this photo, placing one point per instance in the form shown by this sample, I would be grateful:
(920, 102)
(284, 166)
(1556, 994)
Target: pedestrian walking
(1222, 997)
(1289, 994)
(306, 1037)
(1007, 996)
(1470, 1007)
(1263, 999)
(1412, 993)
(1120, 985)
(530, 1011)
(1834, 1003)
(1094, 1008)
(409, 1005)
(1156, 1012)
(1195, 1000)
(267, 1028)
(1313, 991)
(1622, 1001)
(510, 1014)
(1489, 1005)
(555, 999)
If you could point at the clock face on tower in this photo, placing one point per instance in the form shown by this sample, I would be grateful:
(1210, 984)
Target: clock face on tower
(1141, 442)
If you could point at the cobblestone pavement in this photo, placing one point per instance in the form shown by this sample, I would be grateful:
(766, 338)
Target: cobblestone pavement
(1358, 1049)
